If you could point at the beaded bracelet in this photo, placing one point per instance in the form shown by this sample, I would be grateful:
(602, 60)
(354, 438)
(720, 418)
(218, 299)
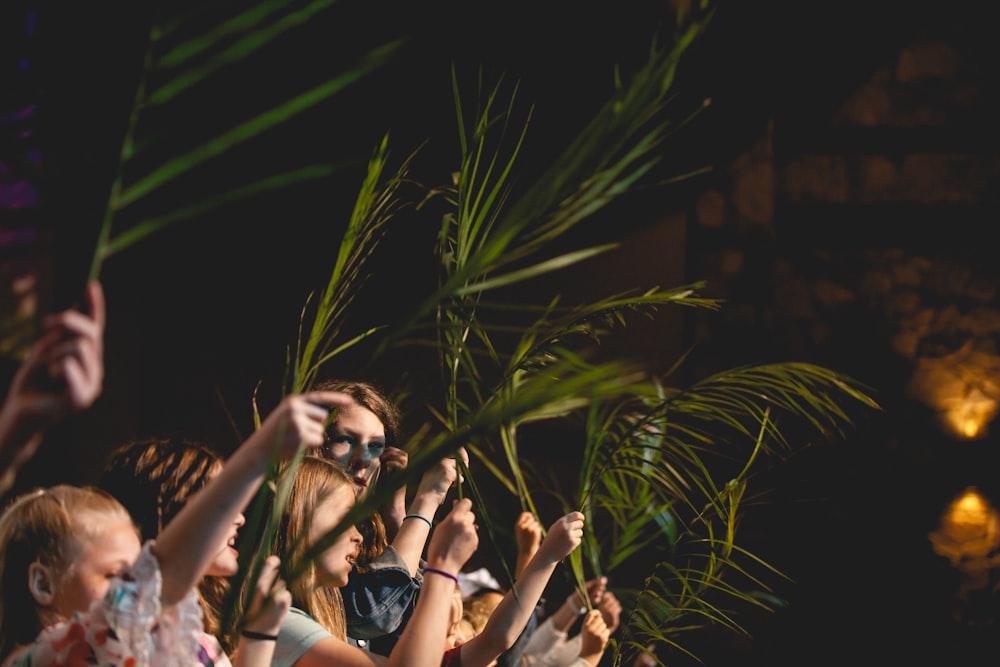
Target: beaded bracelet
(250, 634)
(421, 517)
(442, 572)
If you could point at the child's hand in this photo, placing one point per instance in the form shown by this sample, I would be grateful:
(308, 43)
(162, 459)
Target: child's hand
(269, 605)
(563, 537)
(394, 460)
(528, 533)
(595, 591)
(594, 634)
(63, 371)
(611, 610)
(439, 479)
(455, 539)
(299, 420)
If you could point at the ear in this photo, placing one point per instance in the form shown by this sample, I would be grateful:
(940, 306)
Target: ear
(41, 583)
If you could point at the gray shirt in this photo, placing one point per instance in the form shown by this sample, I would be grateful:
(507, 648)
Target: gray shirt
(298, 632)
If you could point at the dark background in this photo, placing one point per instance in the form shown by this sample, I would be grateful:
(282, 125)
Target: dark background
(203, 312)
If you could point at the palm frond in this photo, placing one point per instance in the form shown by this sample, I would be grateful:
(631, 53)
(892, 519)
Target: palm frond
(377, 203)
(175, 64)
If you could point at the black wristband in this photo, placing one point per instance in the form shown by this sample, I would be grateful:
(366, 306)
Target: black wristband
(250, 634)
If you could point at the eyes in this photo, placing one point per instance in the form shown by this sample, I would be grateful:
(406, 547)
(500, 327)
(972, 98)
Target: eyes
(120, 571)
(341, 445)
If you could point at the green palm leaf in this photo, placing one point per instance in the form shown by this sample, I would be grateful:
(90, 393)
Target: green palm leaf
(174, 65)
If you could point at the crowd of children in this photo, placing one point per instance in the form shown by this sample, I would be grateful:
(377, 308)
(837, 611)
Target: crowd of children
(134, 571)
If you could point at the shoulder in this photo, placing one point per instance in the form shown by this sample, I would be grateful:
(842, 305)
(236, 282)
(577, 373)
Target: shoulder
(298, 626)
(322, 650)
(388, 559)
(299, 632)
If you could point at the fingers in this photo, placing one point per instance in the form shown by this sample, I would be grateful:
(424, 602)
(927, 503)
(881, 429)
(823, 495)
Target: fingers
(594, 633)
(595, 625)
(564, 536)
(328, 399)
(272, 599)
(455, 539)
(79, 364)
(611, 610)
(268, 573)
(300, 419)
(394, 459)
(595, 589)
(94, 294)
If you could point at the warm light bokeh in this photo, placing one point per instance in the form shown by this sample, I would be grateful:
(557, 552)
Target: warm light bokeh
(968, 535)
(962, 389)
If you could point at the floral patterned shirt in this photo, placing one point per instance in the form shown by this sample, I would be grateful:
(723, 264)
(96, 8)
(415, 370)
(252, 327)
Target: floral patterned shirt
(128, 628)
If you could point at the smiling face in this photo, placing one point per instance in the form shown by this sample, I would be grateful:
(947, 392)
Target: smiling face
(102, 555)
(226, 560)
(334, 565)
(355, 443)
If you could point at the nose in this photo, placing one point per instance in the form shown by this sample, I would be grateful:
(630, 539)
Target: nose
(241, 520)
(356, 535)
(362, 460)
(361, 457)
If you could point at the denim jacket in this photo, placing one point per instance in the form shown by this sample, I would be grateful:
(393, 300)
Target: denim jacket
(379, 602)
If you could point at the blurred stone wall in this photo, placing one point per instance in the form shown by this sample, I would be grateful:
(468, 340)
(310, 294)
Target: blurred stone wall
(862, 238)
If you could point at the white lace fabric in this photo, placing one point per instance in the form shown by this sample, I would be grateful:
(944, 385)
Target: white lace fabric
(128, 628)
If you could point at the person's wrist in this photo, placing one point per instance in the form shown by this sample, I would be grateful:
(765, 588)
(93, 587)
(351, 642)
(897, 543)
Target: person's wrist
(575, 604)
(425, 504)
(443, 563)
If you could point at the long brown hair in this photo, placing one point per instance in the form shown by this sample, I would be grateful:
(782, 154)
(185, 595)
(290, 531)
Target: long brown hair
(372, 398)
(315, 480)
(153, 479)
(49, 526)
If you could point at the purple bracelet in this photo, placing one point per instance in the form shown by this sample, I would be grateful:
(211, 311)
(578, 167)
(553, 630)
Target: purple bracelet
(443, 573)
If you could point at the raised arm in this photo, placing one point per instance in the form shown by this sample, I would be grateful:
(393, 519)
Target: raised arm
(62, 373)
(454, 541)
(570, 610)
(434, 486)
(512, 614)
(594, 636)
(528, 534)
(188, 543)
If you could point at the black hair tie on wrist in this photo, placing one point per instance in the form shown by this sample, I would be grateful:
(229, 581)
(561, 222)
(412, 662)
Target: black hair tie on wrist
(250, 634)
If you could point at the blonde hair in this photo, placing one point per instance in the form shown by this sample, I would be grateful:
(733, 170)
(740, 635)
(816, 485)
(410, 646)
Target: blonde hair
(50, 526)
(315, 480)
(477, 607)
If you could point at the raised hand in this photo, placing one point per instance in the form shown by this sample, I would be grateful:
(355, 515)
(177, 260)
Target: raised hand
(528, 533)
(455, 538)
(62, 373)
(594, 636)
(394, 460)
(563, 537)
(271, 600)
(299, 420)
(440, 478)
(611, 610)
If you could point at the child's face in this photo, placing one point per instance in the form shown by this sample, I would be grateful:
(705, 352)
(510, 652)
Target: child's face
(102, 557)
(355, 442)
(226, 560)
(455, 635)
(336, 562)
